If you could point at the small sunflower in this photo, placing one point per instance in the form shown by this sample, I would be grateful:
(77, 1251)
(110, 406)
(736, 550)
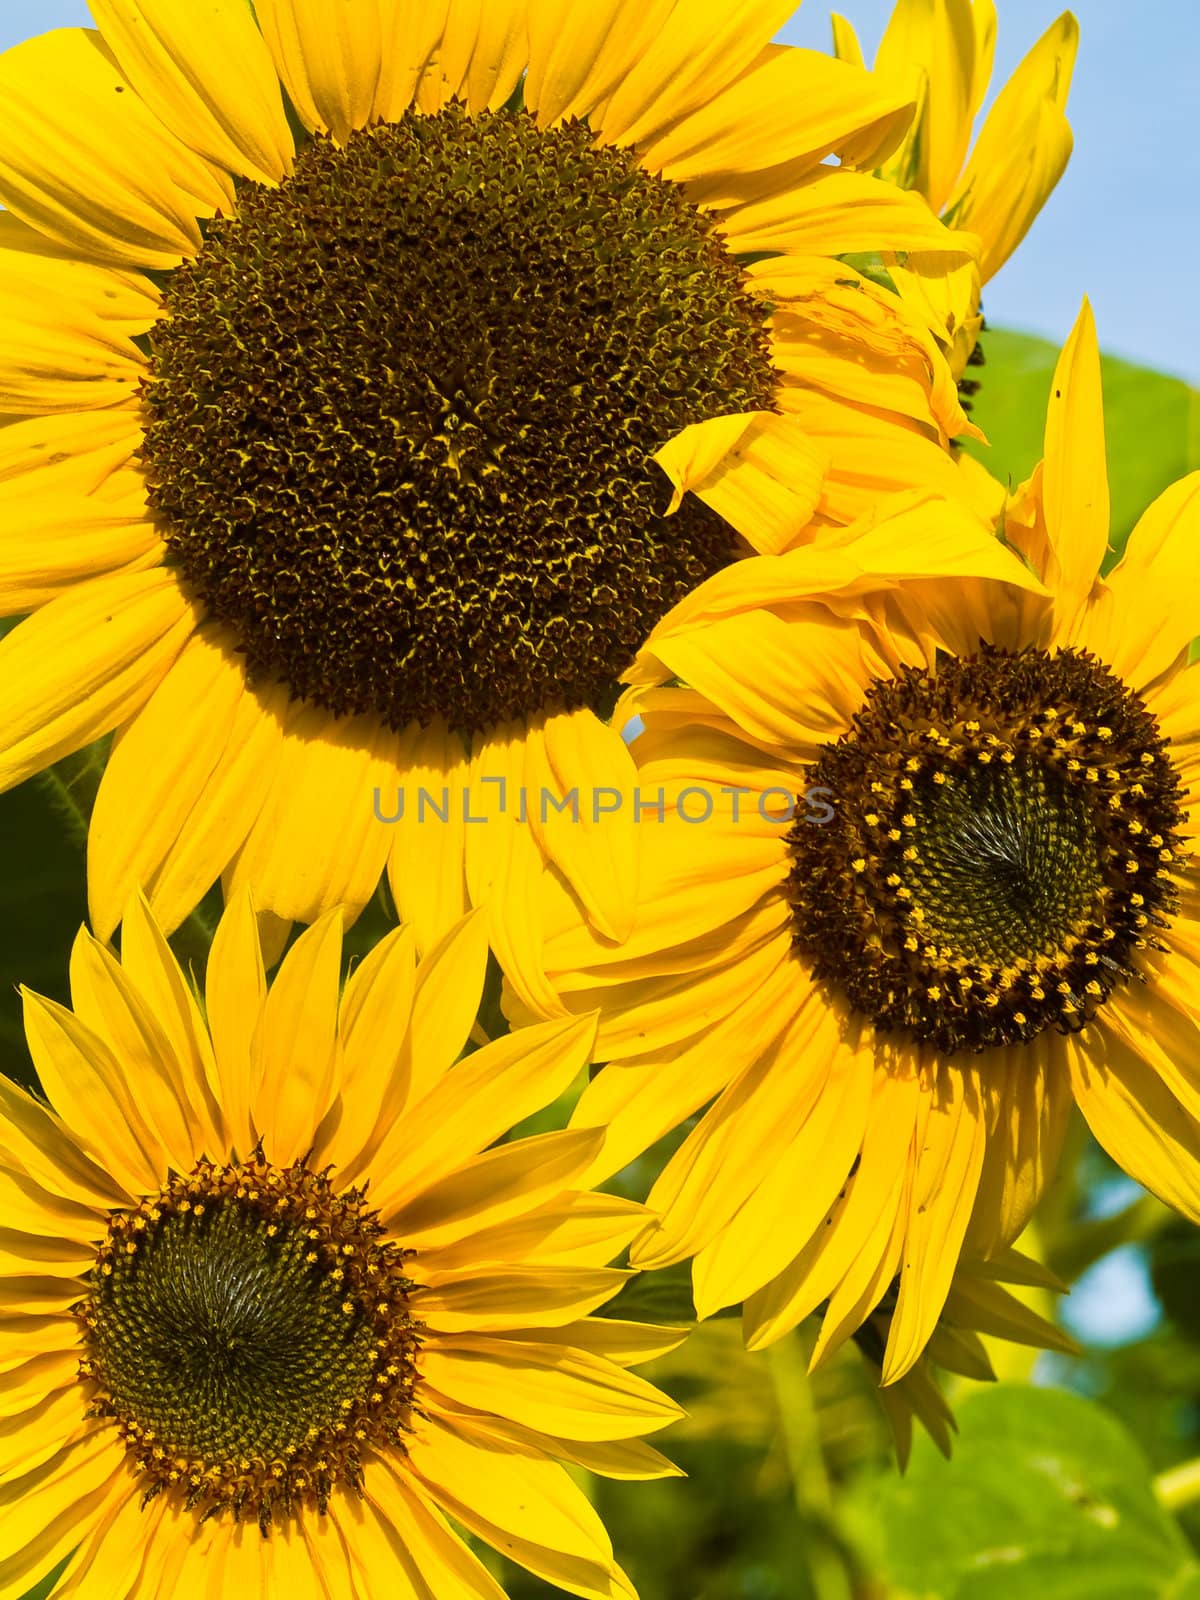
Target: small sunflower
(942, 56)
(919, 882)
(340, 339)
(274, 1309)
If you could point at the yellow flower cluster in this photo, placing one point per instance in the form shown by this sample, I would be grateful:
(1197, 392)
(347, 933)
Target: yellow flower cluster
(512, 451)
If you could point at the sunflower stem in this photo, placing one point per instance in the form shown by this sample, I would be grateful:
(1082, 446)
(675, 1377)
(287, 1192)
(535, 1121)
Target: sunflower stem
(787, 1362)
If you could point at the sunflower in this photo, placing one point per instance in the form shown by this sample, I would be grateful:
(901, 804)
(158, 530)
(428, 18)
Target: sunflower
(919, 882)
(942, 56)
(340, 339)
(274, 1309)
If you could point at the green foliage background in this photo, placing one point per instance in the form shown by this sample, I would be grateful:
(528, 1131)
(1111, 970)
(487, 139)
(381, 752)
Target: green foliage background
(1086, 1487)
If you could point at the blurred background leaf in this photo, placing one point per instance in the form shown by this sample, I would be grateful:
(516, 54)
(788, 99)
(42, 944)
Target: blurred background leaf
(1047, 1498)
(1152, 422)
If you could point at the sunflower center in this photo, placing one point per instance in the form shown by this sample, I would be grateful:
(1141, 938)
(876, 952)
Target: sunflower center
(403, 406)
(1000, 850)
(248, 1330)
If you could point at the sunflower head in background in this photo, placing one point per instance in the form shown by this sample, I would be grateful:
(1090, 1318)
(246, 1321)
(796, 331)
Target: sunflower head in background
(922, 809)
(942, 55)
(340, 343)
(277, 1303)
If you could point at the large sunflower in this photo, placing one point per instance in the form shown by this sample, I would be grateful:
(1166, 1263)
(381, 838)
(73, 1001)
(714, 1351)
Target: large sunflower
(980, 910)
(942, 56)
(339, 338)
(273, 1310)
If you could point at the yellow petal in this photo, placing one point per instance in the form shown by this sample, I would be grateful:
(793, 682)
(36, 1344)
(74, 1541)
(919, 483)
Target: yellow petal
(944, 1187)
(502, 1298)
(1022, 148)
(53, 543)
(578, 763)
(411, 30)
(449, 987)
(30, 1438)
(504, 865)
(71, 452)
(316, 843)
(578, 1230)
(1032, 1095)
(835, 330)
(81, 1076)
(493, 1188)
(638, 1101)
(235, 994)
(919, 536)
(328, 59)
(767, 485)
(47, 1510)
(299, 1043)
(791, 1202)
(565, 1392)
(61, 351)
(498, 56)
(698, 450)
(795, 683)
(148, 960)
(105, 1001)
(700, 48)
(394, 1530)
(1136, 1118)
(404, 1032)
(792, 106)
(619, 1458)
(88, 164)
(24, 1253)
(374, 1019)
(479, 1100)
(872, 457)
(41, 1145)
(870, 1275)
(424, 815)
(682, 900)
(725, 1158)
(578, 55)
(834, 211)
(1151, 586)
(206, 72)
(520, 1503)
(32, 1208)
(83, 663)
(1075, 473)
(626, 1343)
(845, 42)
(223, 808)
(655, 1016)
(111, 1556)
(161, 760)
(859, 1225)
(933, 46)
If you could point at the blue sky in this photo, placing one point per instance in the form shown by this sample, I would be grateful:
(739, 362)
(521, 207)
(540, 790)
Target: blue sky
(1123, 226)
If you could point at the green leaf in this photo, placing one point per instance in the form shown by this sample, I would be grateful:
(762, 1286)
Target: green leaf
(43, 899)
(1152, 422)
(43, 1590)
(663, 1296)
(1047, 1497)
